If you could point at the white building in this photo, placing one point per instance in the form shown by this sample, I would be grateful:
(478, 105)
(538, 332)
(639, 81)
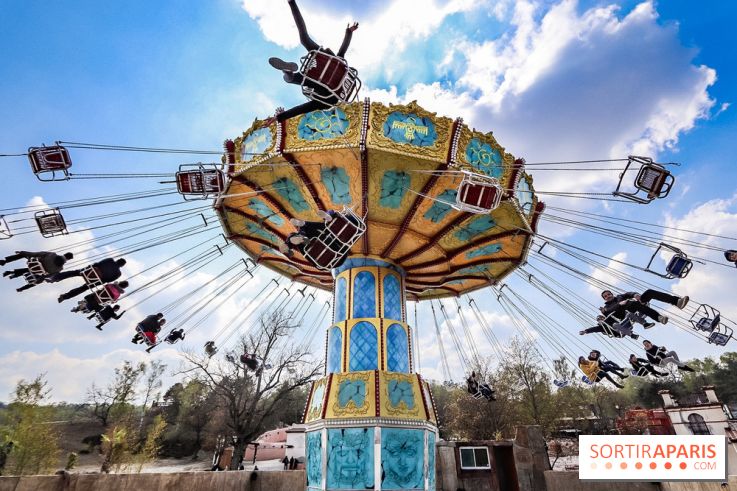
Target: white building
(703, 414)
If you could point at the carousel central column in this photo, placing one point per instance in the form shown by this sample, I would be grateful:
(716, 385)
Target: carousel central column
(370, 421)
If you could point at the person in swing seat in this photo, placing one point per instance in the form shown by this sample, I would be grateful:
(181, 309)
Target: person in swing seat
(594, 372)
(620, 304)
(91, 302)
(661, 357)
(642, 367)
(293, 76)
(107, 271)
(105, 315)
(51, 262)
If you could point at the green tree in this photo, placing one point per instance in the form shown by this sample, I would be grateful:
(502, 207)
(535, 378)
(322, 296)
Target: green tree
(114, 402)
(35, 440)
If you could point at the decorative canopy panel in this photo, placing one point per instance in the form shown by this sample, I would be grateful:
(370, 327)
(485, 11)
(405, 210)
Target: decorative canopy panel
(398, 166)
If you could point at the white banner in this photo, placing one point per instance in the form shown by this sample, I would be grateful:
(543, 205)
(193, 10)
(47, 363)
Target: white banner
(652, 457)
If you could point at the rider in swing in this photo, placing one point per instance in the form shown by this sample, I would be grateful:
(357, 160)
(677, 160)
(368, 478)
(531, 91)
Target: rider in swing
(291, 70)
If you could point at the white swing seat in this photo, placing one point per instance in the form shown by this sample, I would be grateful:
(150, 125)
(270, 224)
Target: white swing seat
(36, 272)
(478, 193)
(103, 296)
(50, 163)
(91, 277)
(50, 223)
(201, 182)
(332, 74)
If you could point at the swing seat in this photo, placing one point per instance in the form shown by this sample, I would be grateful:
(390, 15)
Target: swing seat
(652, 181)
(321, 255)
(50, 163)
(719, 338)
(91, 277)
(50, 223)
(347, 227)
(146, 339)
(330, 73)
(210, 349)
(103, 296)
(203, 181)
(5, 232)
(706, 318)
(329, 248)
(36, 272)
(168, 338)
(560, 383)
(679, 266)
(478, 193)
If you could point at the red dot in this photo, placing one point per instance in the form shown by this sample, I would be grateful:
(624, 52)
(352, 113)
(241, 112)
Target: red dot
(623, 465)
(668, 465)
(608, 465)
(653, 465)
(683, 465)
(638, 465)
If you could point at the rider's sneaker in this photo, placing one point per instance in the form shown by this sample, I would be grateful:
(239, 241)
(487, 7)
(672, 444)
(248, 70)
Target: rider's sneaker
(285, 66)
(682, 302)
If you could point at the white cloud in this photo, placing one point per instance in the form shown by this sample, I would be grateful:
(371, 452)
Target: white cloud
(709, 283)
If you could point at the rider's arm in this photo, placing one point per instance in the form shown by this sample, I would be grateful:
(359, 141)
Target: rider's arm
(347, 39)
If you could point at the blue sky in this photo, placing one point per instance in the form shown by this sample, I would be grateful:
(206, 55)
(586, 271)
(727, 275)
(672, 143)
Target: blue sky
(554, 80)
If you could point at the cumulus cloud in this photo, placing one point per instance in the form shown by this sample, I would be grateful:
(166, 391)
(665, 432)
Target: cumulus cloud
(712, 283)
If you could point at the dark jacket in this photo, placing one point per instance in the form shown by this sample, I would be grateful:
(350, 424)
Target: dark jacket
(51, 262)
(108, 313)
(655, 354)
(107, 270)
(613, 304)
(150, 323)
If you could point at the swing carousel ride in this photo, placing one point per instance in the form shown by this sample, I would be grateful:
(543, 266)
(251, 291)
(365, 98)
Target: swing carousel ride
(423, 209)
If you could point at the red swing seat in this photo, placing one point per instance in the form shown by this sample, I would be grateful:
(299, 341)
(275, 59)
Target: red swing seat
(335, 241)
(202, 182)
(478, 193)
(54, 160)
(331, 73)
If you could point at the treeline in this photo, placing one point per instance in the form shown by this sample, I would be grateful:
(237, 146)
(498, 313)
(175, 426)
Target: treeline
(526, 395)
(131, 420)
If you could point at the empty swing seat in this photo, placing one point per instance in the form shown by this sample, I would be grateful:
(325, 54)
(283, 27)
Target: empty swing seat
(719, 338)
(202, 181)
(52, 160)
(50, 223)
(652, 181)
(679, 266)
(5, 232)
(478, 193)
(332, 74)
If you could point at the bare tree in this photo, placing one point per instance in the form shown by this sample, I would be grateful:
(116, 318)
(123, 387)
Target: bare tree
(247, 396)
(111, 402)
